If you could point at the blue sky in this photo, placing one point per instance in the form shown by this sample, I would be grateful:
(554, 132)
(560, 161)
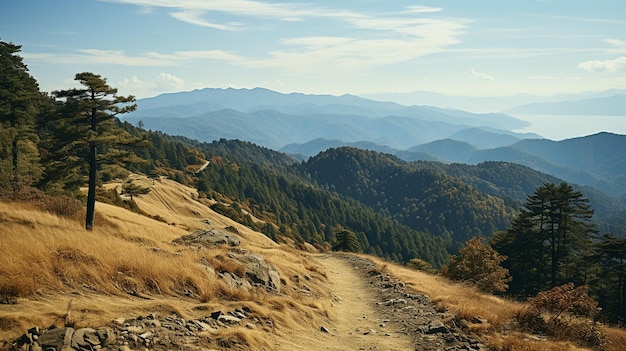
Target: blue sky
(476, 48)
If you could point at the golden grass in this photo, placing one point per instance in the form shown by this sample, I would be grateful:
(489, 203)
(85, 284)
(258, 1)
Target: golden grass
(464, 301)
(617, 339)
(127, 266)
(493, 315)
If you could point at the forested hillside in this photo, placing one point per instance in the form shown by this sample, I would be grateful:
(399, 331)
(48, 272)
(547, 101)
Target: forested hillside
(453, 201)
(424, 198)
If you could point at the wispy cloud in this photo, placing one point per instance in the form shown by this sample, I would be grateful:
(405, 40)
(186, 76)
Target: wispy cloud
(481, 75)
(96, 56)
(615, 65)
(374, 39)
(194, 9)
(197, 19)
(120, 58)
(423, 9)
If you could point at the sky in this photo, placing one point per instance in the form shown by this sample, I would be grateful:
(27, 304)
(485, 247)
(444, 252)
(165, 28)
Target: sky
(472, 48)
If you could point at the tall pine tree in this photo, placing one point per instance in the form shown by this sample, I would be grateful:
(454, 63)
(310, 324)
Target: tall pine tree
(88, 120)
(20, 102)
(548, 242)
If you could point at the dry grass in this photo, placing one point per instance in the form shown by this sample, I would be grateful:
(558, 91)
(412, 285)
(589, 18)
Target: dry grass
(464, 301)
(489, 316)
(523, 342)
(128, 266)
(617, 339)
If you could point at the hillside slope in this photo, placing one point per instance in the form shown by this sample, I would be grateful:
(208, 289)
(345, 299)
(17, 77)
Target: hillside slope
(127, 278)
(130, 267)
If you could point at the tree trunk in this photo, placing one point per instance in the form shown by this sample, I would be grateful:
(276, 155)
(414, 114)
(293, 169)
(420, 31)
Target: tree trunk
(14, 152)
(91, 193)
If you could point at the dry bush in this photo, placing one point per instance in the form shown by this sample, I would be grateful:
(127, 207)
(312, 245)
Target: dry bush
(479, 264)
(565, 312)
(61, 206)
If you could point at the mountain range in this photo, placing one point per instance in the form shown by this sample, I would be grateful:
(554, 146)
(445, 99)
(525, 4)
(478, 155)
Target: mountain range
(305, 125)
(592, 102)
(272, 119)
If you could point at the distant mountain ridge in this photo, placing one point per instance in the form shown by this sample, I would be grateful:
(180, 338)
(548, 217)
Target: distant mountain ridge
(606, 106)
(306, 125)
(597, 160)
(273, 119)
(495, 103)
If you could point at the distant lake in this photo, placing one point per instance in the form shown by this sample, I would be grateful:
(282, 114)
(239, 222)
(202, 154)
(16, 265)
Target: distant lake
(559, 127)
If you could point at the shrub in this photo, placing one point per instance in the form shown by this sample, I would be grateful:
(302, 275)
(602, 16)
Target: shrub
(479, 264)
(421, 265)
(62, 206)
(564, 312)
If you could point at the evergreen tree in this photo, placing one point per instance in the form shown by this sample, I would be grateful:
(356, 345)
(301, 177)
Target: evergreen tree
(554, 227)
(132, 189)
(611, 287)
(20, 102)
(89, 116)
(347, 241)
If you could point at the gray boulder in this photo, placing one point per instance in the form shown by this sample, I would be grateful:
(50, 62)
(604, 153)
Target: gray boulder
(258, 271)
(213, 237)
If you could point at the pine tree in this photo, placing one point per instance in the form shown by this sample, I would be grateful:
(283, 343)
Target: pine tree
(89, 118)
(132, 189)
(20, 103)
(347, 241)
(554, 227)
(611, 289)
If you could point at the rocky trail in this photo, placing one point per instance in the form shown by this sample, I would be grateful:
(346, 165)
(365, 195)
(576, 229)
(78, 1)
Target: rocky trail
(375, 311)
(371, 311)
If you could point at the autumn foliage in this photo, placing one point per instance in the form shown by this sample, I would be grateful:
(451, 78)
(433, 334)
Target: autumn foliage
(479, 264)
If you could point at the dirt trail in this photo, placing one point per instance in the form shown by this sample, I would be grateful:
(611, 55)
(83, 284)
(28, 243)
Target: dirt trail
(356, 323)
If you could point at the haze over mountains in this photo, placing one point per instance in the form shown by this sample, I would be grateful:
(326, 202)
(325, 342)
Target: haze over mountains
(305, 125)
(608, 102)
(274, 120)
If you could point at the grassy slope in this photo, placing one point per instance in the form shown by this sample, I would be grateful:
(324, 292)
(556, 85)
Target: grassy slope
(128, 267)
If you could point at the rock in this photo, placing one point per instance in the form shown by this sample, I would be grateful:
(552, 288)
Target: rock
(145, 335)
(258, 271)
(106, 336)
(323, 329)
(435, 327)
(82, 338)
(234, 282)
(228, 319)
(232, 229)
(213, 237)
(56, 338)
(134, 329)
(204, 326)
